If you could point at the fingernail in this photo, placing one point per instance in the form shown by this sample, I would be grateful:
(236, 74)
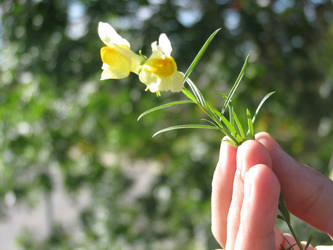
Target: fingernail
(223, 151)
(240, 162)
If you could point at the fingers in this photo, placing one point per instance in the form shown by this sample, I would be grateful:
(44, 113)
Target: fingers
(249, 154)
(259, 209)
(308, 194)
(222, 191)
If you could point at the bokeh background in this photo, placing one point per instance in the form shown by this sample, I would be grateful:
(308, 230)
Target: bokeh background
(77, 171)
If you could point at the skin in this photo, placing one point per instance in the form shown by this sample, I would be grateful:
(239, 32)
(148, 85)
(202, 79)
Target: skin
(245, 192)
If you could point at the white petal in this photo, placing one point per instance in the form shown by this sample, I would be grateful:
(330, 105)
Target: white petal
(105, 66)
(165, 44)
(109, 36)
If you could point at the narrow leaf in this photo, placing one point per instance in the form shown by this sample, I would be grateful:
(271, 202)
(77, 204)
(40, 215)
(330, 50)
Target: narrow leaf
(189, 95)
(284, 210)
(235, 86)
(198, 96)
(308, 242)
(250, 124)
(232, 143)
(200, 53)
(163, 106)
(209, 121)
(291, 247)
(228, 125)
(215, 112)
(239, 125)
(185, 126)
(261, 104)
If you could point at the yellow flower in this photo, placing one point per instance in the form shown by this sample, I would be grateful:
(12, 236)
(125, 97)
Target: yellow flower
(117, 57)
(159, 72)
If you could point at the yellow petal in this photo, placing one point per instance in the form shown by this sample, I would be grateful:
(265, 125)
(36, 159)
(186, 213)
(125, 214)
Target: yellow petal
(115, 64)
(162, 67)
(174, 83)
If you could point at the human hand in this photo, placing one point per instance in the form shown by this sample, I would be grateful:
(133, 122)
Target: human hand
(246, 187)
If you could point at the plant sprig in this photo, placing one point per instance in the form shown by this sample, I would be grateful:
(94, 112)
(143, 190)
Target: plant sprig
(228, 124)
(233, 128)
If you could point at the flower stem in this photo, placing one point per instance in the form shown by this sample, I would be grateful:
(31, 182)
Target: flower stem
(285, 215)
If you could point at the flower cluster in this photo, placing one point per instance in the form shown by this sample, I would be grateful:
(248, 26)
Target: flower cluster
(158, 72)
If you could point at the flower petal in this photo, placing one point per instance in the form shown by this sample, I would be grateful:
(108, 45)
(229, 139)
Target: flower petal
(109, 73)
(109, 36)
(165, 44)
(174, 83)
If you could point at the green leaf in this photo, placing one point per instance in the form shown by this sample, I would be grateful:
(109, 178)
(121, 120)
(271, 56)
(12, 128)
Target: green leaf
(231, 115)
(235, 86)
(214, 111)
(228, 125)
(189, 95)
(185, 126)
(291, 247)
(284, 210)
(239, 125)
(163, 106)
(200, 53)
(309, 242)
(250, 124)
(261, 104)
(198, 96)
(209, 121)
(232, 143)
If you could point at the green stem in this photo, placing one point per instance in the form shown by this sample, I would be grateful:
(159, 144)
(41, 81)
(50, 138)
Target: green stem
(286, 217)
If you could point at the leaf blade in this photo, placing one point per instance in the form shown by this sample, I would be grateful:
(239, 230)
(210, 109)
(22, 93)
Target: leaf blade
(163, 106)
(185, 126)
(263, 100)
(235, 86)
(250, 124)
(239, 125)
(200, 53)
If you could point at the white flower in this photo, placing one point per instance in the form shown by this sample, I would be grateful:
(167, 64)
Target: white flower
(117, 57)
(159, 72)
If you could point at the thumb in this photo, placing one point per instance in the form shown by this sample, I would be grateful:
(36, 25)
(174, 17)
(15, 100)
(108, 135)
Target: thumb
(308, 194)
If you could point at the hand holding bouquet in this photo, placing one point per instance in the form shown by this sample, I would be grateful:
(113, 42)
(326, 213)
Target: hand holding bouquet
(159, 73)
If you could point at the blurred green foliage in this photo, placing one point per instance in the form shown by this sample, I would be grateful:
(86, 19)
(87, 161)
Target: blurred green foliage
(56, 114)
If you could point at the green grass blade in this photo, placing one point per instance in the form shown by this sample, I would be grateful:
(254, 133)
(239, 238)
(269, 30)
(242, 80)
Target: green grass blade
(261, 104)
(250, 124)
(200, 53)
(235, 86)
(185, 126)
(163, 106)
(239, 125)
(198, 96)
